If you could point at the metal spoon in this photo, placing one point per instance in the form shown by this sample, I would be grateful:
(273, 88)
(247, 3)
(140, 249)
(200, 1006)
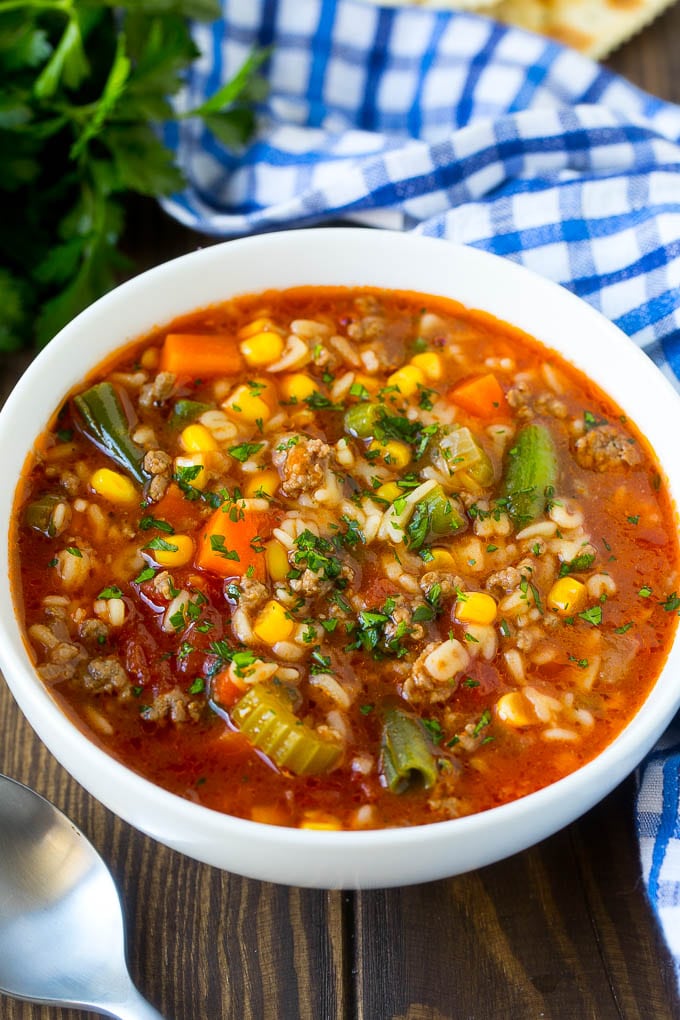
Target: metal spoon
(62, 940)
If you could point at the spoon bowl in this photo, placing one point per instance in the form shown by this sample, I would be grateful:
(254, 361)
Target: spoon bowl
(62, 938)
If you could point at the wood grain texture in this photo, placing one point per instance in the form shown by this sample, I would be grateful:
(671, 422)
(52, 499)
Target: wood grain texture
(559, 931)
(562, 931)
(650, 60)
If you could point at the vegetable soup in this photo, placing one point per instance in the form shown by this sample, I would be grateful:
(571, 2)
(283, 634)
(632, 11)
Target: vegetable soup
(345, 558)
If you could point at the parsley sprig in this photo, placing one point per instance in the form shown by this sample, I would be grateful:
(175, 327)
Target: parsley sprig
(83, 82)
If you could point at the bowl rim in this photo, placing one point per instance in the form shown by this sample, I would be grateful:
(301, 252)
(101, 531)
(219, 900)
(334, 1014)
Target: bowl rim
(66, 740)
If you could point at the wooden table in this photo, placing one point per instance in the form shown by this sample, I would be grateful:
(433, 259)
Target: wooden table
(561, 931)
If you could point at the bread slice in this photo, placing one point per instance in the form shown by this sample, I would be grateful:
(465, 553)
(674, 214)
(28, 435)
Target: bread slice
(594, 27)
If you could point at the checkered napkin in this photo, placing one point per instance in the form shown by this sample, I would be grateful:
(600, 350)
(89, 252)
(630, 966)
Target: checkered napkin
(454, 126)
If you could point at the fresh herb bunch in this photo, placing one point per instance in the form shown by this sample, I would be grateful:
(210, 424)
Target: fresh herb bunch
(83, 85)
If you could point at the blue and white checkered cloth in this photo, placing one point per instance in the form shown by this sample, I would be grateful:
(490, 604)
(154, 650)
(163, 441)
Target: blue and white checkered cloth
(455, 126)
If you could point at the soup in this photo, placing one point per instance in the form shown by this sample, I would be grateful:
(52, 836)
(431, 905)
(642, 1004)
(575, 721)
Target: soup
(345, 558)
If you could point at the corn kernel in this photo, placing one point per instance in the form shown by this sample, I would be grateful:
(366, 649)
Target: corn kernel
(393, 452)
(512, 709)
(197, 439)
(262, 349)
(276, 560)
(269, 814)
(196, 479)
(476, 607)
(389, 491)
(181, 553)
(260, 325)
(408, 378)
(297, 387)
(430, 364)
(367, 381)
(441, 560)
(115, 487)
(320, 820)
(250, 402)
(262, 483)
(567, 596)
(150, 357)
(273, 623)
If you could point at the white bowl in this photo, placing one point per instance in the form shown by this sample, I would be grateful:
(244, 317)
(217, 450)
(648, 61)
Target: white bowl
(342, 257)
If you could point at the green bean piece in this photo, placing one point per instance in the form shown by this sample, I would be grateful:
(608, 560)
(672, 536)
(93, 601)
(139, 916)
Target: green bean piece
(531, 473)
(276, 731)
(436, 515)
(186, 411)
(39, 515)
(361, 419)
(105, 423)
(405, 755)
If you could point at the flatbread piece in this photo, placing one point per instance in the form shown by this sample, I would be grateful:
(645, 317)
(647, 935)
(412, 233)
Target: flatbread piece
(594, 27)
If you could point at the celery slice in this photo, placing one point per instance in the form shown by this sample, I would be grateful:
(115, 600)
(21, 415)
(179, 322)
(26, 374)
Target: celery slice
(436, 515)
(459, 454)
(276, 731)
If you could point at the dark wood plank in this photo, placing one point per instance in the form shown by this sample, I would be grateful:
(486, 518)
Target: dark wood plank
(633, 954)
(650, 59)
(560, 931)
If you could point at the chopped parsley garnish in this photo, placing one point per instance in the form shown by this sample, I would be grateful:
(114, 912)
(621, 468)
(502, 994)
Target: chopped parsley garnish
(147, 523)
(579, 563)
(359, 390)
(591, 420)
(242, 658)
(319, 402)
(217, 545)
(318, 555)
(111, 592)
(320, 663)
(161, 544)
(592, 615)
(184, 476)
(425, 398)
(244, 451)
(376, 631)
(288, 444)
(178, 619)
(484, 721)
(434, 730)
